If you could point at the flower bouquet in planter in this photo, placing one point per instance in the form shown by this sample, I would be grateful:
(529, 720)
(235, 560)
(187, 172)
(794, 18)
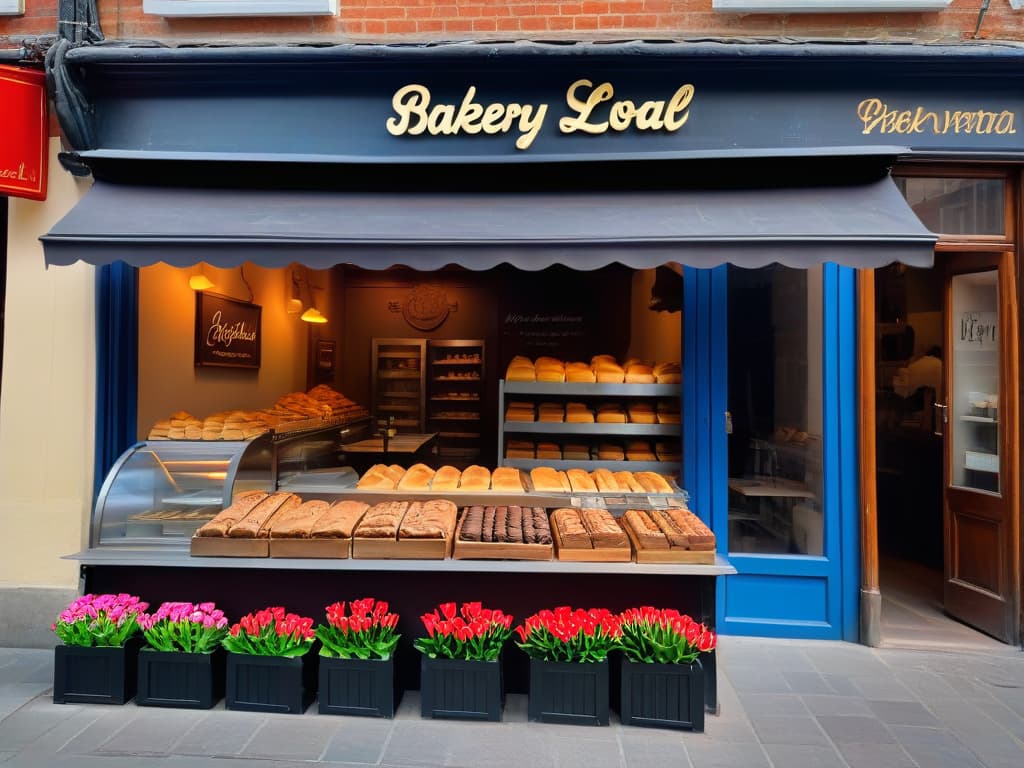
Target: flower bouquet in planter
(460, 672)
(357, 667)
(96, 663)
(568, 650)
(662, 677)
(182, 664)
(270, 668)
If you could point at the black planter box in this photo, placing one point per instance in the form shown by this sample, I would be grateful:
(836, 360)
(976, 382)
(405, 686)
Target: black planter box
(357, 687)
(662, 695)
(95, 675)
(568, 693)
(184, 680)
(461, 690)
(270, 683)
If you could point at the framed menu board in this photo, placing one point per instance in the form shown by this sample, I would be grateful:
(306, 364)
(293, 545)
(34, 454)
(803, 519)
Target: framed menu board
(227, 332)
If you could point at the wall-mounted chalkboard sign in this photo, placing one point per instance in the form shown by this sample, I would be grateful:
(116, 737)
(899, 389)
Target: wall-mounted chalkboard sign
(227, 331)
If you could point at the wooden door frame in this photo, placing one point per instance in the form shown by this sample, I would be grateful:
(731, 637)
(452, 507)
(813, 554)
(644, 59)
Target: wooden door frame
(870, 592)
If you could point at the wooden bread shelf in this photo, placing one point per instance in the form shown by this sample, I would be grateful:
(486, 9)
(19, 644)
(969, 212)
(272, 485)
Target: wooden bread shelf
(313, 548)
(400, 549)
(225, 546)
(589, 555)
(670, 555)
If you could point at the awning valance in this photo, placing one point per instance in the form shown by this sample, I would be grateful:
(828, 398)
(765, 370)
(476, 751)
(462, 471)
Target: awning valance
(861, 225)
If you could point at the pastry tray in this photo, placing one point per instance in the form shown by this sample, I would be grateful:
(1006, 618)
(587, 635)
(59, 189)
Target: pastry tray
(590, 555)
(499, 550)
(314, 548)
(225, 546)
(400, 549)
(670, 555)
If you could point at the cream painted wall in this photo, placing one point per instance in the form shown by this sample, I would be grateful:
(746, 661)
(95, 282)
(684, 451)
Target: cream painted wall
(168, 380)
(47, 398)
(654, 336)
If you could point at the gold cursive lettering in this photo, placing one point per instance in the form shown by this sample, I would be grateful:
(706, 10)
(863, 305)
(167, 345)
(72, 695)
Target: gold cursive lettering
(218, 333)
(878, 117)
(652, 115)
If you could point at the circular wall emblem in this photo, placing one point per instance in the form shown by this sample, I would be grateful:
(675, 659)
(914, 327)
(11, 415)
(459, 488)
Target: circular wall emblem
(425, 307)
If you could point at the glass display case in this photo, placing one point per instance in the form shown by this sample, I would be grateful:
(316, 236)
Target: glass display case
(160, 491)
(399, 384)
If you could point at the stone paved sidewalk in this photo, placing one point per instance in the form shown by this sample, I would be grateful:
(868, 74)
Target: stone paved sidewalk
(785, 704)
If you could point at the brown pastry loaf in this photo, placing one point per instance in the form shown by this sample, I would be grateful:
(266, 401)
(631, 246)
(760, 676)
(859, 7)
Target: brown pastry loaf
(488, 528)
(239, 508)
(652, 482)
(548, 479)
(610, 452)
(446, 479)
(603, 529)
(698, 535)
(675, 535)
(628, 482)
(515, 525)
(340, 520)
(541, 526)
(571, 532)
(475, 478)
(507, 479)
(646, 531)
(256, 523)
(416, 478)
(298, 523)
(605, 481)
(381, 521)
(580, 481)
(434, 519)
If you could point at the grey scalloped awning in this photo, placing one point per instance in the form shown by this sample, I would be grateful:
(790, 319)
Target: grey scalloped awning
(859, 225)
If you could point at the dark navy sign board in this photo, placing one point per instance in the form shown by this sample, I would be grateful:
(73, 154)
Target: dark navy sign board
(333, 105)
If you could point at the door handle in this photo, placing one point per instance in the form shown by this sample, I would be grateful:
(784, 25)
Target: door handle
(941, 419)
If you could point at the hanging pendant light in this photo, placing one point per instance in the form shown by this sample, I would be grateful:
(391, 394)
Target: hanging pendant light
(200, 282)
(313, 315)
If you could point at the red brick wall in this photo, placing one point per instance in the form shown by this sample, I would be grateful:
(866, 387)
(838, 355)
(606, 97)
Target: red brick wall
(392, 20)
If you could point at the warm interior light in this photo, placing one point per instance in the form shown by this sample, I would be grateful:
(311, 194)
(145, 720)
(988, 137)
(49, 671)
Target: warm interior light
(199, 283)
(313, 315)
(293, 306)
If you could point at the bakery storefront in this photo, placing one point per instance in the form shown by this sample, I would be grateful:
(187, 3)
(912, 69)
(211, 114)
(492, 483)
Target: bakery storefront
(582, 259)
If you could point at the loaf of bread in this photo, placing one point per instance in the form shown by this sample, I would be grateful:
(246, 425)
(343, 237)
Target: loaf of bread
(637, 373)
(520, 369)
(579, 372)
(381, 521)
(576, 451)
(580, 415)
(652, 482)
(580, 481)
(548, 450)
(520, 449)
(610, 452)
(394, 472)
(675, 535)
(628, 482)
(416, 478)
(376, 478)
(256, 523)
(698, 535)
(507, 479)
(668, 373)
(551, 412)
(340, 520)
(240, 506)
(446, 479)
(298, 523)
(572, 534)
(434, 519)
(642, 414)
(520, 414)
(609, 372)
(603, 529)
(648, 534)
(475, 478)
(549, 480)
(605, 481)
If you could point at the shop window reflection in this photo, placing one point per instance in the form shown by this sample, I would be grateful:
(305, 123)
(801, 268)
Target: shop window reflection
(954, 206)
(775, 399)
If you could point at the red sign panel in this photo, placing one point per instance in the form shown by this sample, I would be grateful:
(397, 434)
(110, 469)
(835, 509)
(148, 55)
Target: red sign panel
(23, 133)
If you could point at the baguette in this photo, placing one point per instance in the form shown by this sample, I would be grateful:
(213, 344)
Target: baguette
(340, 520)
(239, 508)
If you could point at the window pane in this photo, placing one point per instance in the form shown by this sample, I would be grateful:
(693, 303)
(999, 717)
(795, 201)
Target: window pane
(956, 206)
(775, 398)
(975, 398)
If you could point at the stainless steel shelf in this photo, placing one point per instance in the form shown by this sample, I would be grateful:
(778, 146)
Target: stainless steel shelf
(632, 466)
(597, 390)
